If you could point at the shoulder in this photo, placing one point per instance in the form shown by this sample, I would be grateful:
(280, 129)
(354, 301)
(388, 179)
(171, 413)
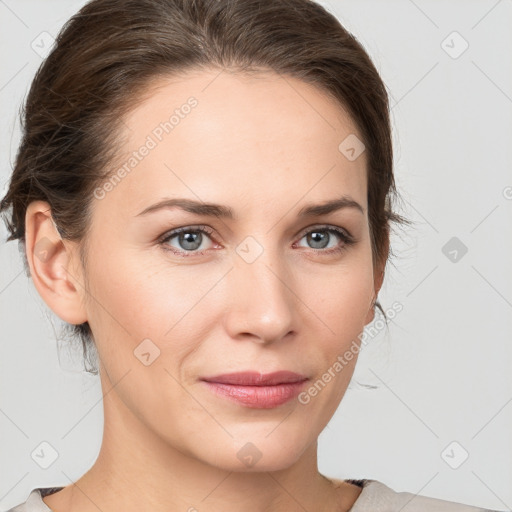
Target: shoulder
(34, 502)
(378, 497)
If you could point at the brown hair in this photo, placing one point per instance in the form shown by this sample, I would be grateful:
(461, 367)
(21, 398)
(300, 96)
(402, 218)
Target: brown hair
(106, 55)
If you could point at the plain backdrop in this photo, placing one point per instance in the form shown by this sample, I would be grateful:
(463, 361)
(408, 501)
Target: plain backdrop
(429, 409)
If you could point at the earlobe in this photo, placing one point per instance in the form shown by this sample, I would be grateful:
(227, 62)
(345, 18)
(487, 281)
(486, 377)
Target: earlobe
(51, 263)
(378, 280)
(371, 313)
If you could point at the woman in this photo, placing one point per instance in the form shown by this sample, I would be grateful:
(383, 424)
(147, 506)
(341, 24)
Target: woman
(204, 192)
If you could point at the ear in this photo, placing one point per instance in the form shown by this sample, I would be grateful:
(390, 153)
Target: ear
(53, 264)
(378, 279)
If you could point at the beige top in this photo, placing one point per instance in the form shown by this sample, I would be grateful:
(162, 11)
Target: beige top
(375, 497)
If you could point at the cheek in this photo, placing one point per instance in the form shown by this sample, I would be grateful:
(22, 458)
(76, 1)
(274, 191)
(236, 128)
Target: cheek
(149, 298)
(343, 298)
(340, 308)
(140, 322)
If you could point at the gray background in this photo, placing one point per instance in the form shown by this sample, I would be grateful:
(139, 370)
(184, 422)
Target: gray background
(442, 371)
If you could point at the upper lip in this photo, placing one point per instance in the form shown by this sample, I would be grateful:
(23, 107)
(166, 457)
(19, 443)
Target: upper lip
(255, 378)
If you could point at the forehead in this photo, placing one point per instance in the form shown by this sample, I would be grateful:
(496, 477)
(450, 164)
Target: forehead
(235, 103)
(212, 133)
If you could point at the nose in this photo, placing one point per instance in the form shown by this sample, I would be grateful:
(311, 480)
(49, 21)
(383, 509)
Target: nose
(262, 305)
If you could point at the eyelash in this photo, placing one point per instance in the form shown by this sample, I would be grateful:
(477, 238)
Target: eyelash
(347, 239)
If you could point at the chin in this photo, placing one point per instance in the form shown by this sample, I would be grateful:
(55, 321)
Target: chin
(270, 450)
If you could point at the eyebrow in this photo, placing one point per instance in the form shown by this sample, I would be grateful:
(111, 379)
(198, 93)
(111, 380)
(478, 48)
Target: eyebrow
(221, 211)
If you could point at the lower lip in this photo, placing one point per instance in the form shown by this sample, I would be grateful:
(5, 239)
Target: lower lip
(259, 397)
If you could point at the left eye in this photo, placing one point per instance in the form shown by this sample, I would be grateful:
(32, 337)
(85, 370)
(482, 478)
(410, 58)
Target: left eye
(190, 239)
(321, 236)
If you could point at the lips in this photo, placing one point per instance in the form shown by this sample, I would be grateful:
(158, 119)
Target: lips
(255, 389)
(253, 378)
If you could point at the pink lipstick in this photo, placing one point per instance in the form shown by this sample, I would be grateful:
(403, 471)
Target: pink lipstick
(255, 389)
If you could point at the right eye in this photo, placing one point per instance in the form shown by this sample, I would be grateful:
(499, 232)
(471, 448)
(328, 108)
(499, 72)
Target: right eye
(188, 239)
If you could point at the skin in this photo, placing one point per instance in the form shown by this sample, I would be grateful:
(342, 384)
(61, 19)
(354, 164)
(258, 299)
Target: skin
(264, 146)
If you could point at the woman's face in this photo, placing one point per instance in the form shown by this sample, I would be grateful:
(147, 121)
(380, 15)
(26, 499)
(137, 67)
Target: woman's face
(265, 289)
